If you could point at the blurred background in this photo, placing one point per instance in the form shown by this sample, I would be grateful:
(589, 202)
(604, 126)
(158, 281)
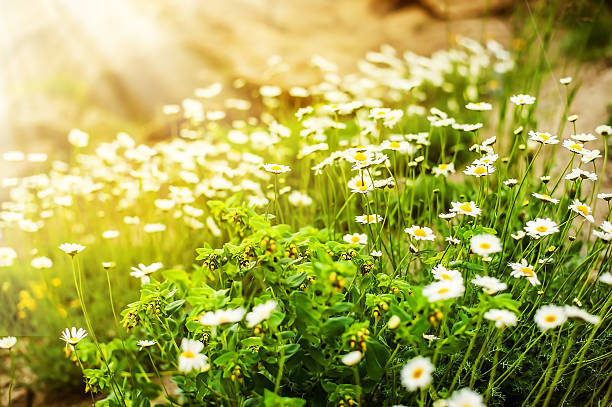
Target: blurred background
(108, 66)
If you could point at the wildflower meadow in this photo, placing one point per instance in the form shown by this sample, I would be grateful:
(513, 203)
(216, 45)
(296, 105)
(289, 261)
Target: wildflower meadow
(408, 235)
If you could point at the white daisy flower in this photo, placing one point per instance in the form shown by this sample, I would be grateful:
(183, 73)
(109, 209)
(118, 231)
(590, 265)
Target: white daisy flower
(379, 112)
(191, 358)
(573, 146)
(41, 263)
(356, 238)
(549, 317)
(582, 209)
(465, 208)
(606, 231)
(490, 285)
(479, 106)
(368, 219)
(142, 271)
(578, 173)
(452, 240)
(223, 316)
(145, 343)
(501, 317)
(606, 196)
(522, 99)
(566, 80)
(7, 256)
(358, 156)
(276, 168)
(110, 234)
(571, 311)
(465, 398)
(359, 181)
(583, 137)
(479, 170)
(447, 216)
(443, 290)
(468, 127)
(606, 278)
(490, 141)
(523, 269)
(510, 182)
(8, 342)
(78, 138)
(417, 373)
(545, 197)
(603, 235)
(519, 235)
(443, 169)
(487, 159)
(603, 130)
(420, 233)
(403, 147)
(352, 358)
(260, 313)
(270, 91)
(384, 183)
(485, 244)
(543, 137)
(154, 227)
(376, 254)
(590, 155)
(71, 248)
(442, 273)
(73, 335)
(541, 227)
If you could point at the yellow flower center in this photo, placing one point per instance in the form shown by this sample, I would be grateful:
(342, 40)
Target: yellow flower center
(527, 271)
(73, 339)
(394, 144)
(188, 355)
(583, 209)
(363, 188)
(480, 170)
(370, 218)
(359, 183)
(443, 166)
(360, 157)
(541, 228)
(275, 168)
(547, 196)
(446, 277)
(420, 232)
(381, 113)
(355, 239)
(485, 246)
(465, 207)
(418, 372)
(576, 147)
(550, 318)
(442, 290)
(544, 137)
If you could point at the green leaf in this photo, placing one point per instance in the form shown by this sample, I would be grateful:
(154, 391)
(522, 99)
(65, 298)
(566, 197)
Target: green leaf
(376, 357)
(336, 326)
(274, 400)
(174, 305)
(224, 358)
